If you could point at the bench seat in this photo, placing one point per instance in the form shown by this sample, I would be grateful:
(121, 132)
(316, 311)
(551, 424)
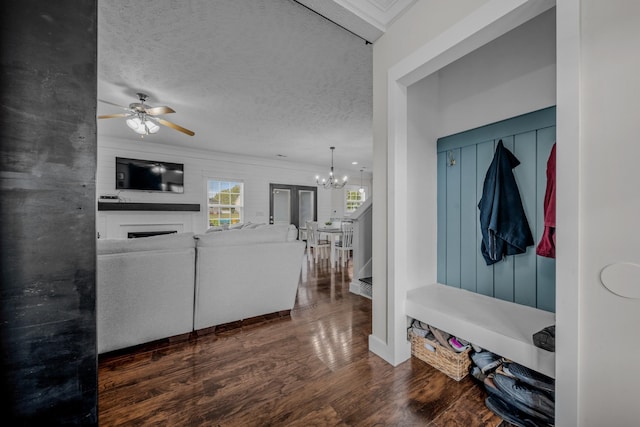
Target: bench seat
(503, 327)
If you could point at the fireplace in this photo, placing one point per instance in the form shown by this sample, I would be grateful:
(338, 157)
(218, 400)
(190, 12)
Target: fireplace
(131, 224)
(136, 234)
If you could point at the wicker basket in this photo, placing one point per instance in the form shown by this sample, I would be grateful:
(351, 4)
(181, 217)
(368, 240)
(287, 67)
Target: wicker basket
(453, 364)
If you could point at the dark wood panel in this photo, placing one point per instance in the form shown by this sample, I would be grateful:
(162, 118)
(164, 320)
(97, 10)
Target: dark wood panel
(115, 206)
(47, 220)
(310, 368)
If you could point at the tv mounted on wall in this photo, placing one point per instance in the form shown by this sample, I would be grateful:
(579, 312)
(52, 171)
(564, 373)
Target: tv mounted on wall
(149, 175)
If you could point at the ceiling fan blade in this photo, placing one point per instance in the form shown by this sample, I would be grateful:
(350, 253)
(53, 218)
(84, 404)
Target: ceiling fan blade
(155, 111)
(174, 126)
(113, 116)
(115, 105)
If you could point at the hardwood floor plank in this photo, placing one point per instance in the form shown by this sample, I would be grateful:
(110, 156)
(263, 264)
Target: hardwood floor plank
(468, 411)
(326, 416)
(310, 368)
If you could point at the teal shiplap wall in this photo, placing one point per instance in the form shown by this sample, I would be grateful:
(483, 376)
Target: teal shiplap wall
(463, 160)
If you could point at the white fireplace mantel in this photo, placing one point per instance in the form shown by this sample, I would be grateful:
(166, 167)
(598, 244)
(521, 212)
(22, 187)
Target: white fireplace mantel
(116, 224)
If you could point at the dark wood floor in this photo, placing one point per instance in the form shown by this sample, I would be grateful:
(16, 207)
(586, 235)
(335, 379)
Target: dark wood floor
(312, 369)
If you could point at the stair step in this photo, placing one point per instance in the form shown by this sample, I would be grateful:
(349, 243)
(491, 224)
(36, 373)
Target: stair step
(366, 286)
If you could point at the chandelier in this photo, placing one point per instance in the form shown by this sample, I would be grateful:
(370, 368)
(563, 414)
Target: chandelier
(331, 182)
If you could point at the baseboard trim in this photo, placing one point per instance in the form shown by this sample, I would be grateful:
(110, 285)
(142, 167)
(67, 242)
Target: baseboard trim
(380, 348)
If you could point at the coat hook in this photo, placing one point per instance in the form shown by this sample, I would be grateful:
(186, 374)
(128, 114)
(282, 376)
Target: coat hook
(452, 160)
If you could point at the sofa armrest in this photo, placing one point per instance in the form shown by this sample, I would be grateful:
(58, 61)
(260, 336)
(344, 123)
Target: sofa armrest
(144, 296)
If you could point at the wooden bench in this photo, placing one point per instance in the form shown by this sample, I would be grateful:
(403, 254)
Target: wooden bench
(503, 327)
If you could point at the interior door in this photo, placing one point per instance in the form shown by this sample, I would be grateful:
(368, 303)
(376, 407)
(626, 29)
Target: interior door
(292, 204)
(281, 206)
(306, 206)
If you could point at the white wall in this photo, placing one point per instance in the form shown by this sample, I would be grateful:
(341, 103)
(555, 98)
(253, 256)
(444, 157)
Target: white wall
(609, 209)
(422, 132)
(255, 173)
(514, 74)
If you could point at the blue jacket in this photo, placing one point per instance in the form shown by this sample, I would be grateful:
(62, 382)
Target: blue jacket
(505, 229)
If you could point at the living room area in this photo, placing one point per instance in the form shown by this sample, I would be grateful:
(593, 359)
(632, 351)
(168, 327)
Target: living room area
(259, 103)
(254, 113)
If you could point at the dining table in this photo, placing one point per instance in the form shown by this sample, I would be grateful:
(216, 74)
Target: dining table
(333, 233)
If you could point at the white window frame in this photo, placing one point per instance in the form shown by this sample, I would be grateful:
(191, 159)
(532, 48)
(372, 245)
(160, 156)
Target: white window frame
(356, 189)
(239, 206)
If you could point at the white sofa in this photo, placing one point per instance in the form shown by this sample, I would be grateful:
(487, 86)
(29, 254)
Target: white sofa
(157, 287)
(246, 273)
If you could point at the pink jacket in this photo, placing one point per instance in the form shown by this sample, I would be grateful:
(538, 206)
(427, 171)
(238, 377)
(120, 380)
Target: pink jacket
(547, 245)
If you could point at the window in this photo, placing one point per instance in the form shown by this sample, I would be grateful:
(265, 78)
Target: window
(354, 198)
(225, 201)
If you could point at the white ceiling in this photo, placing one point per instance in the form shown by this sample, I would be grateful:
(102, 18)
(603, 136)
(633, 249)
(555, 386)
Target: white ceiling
(251, 77)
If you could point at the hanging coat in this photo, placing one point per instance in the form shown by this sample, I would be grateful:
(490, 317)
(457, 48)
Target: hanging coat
(505, 229)
(547, 244)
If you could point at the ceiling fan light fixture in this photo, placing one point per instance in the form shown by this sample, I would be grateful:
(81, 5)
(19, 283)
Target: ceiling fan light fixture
(151, 127)
(142, 119)
(142, 127)
(136, 125)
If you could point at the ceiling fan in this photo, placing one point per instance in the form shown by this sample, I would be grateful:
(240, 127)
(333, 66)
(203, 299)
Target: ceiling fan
(143, 119)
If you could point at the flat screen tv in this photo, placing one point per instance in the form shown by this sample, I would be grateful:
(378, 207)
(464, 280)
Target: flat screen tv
(149, 175)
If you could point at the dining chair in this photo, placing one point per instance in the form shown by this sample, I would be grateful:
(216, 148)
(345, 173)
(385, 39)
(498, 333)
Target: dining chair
(314, 243)
(345, 245)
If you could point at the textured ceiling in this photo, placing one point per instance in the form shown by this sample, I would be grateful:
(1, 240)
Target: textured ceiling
(251, 77)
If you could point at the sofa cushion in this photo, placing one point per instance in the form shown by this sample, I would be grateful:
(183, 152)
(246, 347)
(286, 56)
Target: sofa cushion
(292, 231)
(251, 225)
(217, 228)
(263, 234)
(164, 241)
